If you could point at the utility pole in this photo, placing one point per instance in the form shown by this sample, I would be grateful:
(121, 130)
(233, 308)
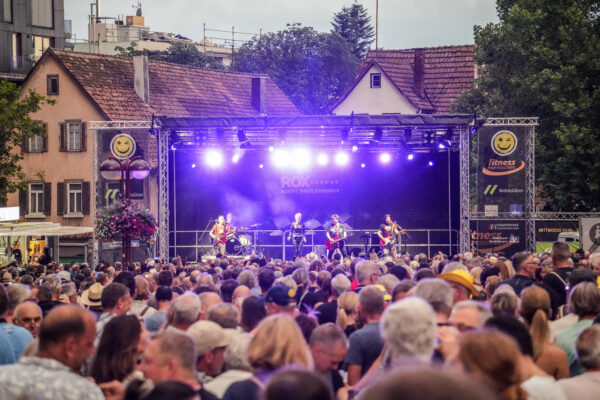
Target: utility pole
(376, 25)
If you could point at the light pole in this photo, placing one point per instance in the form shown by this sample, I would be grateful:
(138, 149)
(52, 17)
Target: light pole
(114, 169)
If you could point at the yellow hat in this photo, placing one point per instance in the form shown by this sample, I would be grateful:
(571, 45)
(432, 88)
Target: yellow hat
(461, 277)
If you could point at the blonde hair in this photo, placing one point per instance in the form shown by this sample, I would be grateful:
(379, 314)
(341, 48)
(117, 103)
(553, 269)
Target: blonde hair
(347, 303)
(535, 307)
(288, 281)
(278, 342)
(143, 288)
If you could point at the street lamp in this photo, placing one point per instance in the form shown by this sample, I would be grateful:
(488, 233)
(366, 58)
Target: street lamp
(114, 169)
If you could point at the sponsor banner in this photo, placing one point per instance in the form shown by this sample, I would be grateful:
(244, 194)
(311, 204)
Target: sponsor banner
(501, 168)
(498, 236)
(590, 234)
(548, 231)
(306, 184)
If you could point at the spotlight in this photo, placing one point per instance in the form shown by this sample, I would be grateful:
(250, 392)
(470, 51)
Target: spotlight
(377, 135)
(271, 148)
(354, 148)
(322, 159)
(172, 147)
(213, 158)
(385, 158)
(342, 158)
(300, 158)
(193, 165)
(410, 157)
(441, 146)
(261, 166)
(280, 158)
(363, 165)
(430, 163)
(235, 158)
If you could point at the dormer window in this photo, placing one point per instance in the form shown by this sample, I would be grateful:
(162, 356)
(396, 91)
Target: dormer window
(376, 80)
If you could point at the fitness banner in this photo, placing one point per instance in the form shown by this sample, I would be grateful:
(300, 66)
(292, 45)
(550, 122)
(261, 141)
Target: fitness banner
(493, 236)
(501, 169)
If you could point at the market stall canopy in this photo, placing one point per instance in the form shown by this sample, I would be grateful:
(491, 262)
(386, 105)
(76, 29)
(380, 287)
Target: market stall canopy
(41, 229)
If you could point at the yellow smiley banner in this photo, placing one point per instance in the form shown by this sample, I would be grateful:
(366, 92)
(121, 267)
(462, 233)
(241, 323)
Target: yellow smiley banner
(122, 146)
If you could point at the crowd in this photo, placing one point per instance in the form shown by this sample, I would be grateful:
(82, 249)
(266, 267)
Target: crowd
(461, 327)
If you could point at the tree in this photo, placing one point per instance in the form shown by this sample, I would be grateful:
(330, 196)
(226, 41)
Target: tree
(313, 69)
(184, 53)
(542, 60)
(354, 25)
(16, 126)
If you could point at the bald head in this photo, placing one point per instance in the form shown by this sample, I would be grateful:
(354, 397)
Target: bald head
(29, 316)
(208, 299)
(241, 291)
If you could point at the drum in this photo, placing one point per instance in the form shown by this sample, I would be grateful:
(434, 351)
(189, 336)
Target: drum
(233, 247)
(245, 239)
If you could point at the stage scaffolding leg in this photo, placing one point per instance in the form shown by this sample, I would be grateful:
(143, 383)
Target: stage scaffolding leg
(530, 190)
(163, 193)
(464, 238)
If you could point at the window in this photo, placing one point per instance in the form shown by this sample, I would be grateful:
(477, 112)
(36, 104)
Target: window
(74, 198)
(376, 80)
(39, 44)
(72, 136)
(52, 84)
(36, 199)
(36, 144)
(7, 10)
(42, 13)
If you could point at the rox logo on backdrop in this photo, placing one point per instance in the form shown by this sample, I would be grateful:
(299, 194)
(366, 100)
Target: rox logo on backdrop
(503, 144)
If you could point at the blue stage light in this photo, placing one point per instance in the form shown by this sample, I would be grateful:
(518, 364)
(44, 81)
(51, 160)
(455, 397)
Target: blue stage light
(213, 158)
(342, 158)
(322, 159)
(411, 156)
(385, 158)
(430, 163)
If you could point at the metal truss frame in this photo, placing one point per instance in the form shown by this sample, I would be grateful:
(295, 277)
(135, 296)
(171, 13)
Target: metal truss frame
(163, 194)
(512, 121)
(539, 216)
(464, 237)
(105, 125)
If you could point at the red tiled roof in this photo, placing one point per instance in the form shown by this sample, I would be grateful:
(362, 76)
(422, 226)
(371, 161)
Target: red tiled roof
(448, 71)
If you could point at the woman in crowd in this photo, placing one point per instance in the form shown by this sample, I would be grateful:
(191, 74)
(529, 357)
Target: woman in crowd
(139, 306)
(347, 314)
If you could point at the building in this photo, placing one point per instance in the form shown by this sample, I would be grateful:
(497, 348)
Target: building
(410, 81)
(116, 92)
(27, 29)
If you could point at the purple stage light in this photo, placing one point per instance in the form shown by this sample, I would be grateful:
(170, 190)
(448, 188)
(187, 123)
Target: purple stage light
(193, 165)
(280, 158)
(441, 146)
(300, 158)
(271, 149)
(430, 163)
(342, 158)
(411, 156)
(385, 158)
(354, 148)
(363, 165)
(261, 166)
(322, 159)
(213, 158)
(235, 158)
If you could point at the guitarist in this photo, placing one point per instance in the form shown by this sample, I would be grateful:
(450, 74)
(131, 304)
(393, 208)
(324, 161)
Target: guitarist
(218, 234)
(336, 236)
(388, 236)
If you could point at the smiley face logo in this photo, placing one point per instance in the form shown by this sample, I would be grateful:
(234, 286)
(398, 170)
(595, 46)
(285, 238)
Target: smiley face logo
(122, 146)
(504, 143)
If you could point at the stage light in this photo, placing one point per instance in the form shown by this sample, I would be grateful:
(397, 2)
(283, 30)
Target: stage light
(261, 166)
(300, 158)
(235, 158)
(410, 157)
(193, 165)
(172, 147)
(354, 148)
(342, 158)
(385, 158)
(430, 163)
(363, 165)
(280, 158)
(322, 159)
(271, 148)
(213, 158)
(441, 146)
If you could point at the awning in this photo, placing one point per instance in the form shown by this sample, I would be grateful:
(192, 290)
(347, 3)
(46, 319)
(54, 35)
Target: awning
(41, 229)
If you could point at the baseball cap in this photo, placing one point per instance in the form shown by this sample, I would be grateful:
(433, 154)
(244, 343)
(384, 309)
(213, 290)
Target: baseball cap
(282, 295)
(208, 336)
(65, 276)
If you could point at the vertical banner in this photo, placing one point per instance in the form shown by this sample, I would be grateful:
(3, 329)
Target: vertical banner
(501, 169)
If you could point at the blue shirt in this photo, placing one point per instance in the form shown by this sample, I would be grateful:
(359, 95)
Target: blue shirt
(365, 346)
(13, 340)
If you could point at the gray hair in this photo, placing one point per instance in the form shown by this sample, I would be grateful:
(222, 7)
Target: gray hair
(453, 266)
(587, 347)
(584, 299)
(246, 278)
(340, 284)
(180, 346)
(504, 303)
(371, 300)
(388, 281)
(594, 259)
(482, 309)
(205, 279)
(185, 309)
(437, 293)
(68, 289)
(235, 353)
(328, 335)
(300, 276)
(17, 293)
(409, 328)
(364, 270)
(224, 314)
(52, 282)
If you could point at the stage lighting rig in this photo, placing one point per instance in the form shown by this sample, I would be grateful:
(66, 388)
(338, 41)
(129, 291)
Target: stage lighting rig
(377, 135)
(242, 138)
(345, 133)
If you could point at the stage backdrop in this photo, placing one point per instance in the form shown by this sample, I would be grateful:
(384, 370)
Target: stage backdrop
(266, 198)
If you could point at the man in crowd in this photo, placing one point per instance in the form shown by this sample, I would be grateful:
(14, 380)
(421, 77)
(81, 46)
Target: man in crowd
(587, 349)
(13, 339)
(163, 298)
(461, 282)
(211, 341)
(116, 300)
(328, 346)
(29, 316)
(557, 279)
(51, 282)
(366, 343)
(280, 300)
(66, 340)
(367, 273)
(17, 294)
(525, 266)
(184, 311)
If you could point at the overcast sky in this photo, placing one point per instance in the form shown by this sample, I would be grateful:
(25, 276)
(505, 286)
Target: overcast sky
(403, 23)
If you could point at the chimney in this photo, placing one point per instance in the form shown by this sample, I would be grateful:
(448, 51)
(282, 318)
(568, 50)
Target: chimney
(258, 94)
(419, 72)
(141, 79)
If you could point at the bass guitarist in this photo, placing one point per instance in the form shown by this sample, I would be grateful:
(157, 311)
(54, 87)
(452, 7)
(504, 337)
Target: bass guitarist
(336, 237)
(388, 236)
(218, 234)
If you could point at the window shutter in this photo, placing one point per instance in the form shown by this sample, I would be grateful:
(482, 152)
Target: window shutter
(45, 139)
(83, 144)
(25, 145)
(60, 198)
(63, 137)
(23, 202)
(85, 198)
(47, 198)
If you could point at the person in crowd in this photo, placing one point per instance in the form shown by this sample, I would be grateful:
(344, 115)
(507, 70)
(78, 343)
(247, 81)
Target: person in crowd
(587, 350)
(347, 313)
(116, 300)
(535, 311)
(13, 339)
(163, 297)
(183, 312)
(504, 302)
(328, 345)
(469, 315)
(366, 343)
(66, 339)
(139, 305)
(327, 312)
(17, 294)
(29, 316)
(460, 281)
(118, 353)
(297, 384)
(226, 315)
(51, 282)
(440, 296)
(281, 299)
(211, 340)
(266, 278)
(584, 301)
(276, 343)
(525, 267)
(253, 311)
(558, 278)
(367, 273)
(237, 368)
(402, 290)
(208, 301)
(92, 299)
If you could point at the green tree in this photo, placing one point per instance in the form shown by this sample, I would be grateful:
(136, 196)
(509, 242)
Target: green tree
(16, 126)
(354, 25)
(129, 51)
(314, 69)
(542, 60)
(184, 53)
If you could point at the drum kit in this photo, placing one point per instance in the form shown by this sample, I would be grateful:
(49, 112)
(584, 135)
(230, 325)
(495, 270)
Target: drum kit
(240, 244)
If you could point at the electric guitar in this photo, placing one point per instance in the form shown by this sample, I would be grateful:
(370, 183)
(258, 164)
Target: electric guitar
(332, 244)
(221, 238)
(391, 237)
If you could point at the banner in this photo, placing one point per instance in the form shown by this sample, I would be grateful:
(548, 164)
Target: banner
(492, 236)
(501, 169)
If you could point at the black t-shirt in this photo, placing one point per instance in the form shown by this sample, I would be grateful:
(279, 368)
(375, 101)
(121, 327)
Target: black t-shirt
(337, 230)
(336, 381)
(386, 229)
(205, 395)
(297, 230)
(243, 390)
(328, 312)
(558, 284)
(17, 255)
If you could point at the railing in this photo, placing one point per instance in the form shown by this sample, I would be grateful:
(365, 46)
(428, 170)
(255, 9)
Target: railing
(193, 245)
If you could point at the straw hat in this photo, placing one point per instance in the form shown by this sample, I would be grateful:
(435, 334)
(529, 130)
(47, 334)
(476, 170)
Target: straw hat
(462, 278)
(93, 296)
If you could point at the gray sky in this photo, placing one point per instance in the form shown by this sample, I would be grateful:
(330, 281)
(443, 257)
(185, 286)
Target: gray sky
(403, 23)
